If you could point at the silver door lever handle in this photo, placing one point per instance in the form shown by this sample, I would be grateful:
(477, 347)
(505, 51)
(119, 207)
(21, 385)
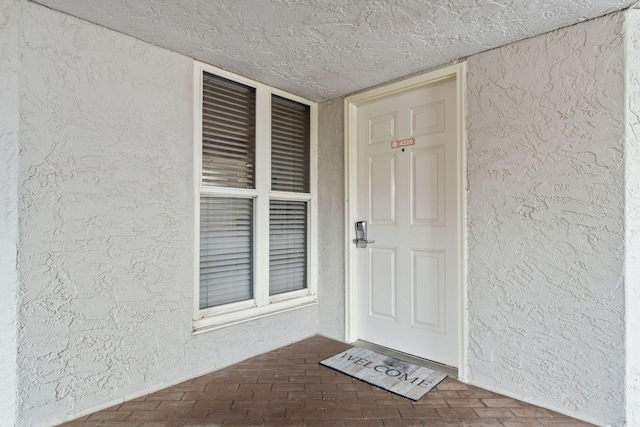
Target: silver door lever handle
(361, 235)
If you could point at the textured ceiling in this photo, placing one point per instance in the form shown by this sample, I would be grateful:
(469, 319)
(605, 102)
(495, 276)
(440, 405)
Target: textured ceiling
(322, 49)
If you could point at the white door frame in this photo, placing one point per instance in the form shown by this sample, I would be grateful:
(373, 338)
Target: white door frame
(351, 104)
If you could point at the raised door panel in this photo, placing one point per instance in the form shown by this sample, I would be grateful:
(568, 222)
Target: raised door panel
(383, 129)
(428, 293)
(427, 192)
(427, 119)
(383, 283)
(382, 189)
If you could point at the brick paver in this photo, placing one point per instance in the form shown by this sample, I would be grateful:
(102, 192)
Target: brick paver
(288, 388)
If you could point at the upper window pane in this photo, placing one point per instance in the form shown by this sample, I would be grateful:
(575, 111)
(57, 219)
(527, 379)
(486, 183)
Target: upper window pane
(228, 133)
(290, 130)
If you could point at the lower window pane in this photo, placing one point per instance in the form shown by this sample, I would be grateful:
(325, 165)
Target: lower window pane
(226, 250)
(287, 246)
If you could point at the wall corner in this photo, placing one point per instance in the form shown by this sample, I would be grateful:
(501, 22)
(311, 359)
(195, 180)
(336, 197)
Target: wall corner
(632, 215)
(10, 12)
(331, 207)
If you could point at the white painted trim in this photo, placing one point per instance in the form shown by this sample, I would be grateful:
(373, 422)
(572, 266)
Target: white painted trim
(263, 187)
(289, 295)
(281, 195)
(351, 104)
(245, 193)
(463, 306)
(406, 85)
(262, 304)
(229, 75)
(197, 183)
(313, 224)
(247, 314)
(351, 276)
(226, 308)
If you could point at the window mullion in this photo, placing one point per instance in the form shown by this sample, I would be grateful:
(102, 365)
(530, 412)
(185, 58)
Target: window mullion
(263, 187)
(313, 206)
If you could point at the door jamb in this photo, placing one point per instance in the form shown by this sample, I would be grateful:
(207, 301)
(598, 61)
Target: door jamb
(351, 104)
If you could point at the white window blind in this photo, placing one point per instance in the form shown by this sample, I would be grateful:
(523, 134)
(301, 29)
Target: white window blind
(226, 250)
(290, 132)
(287, 246)
(228, 133)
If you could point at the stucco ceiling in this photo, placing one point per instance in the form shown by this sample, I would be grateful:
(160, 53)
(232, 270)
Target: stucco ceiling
(322, 49)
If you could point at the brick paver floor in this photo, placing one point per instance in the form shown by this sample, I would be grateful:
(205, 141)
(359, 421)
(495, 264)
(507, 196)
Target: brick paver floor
(287, 387)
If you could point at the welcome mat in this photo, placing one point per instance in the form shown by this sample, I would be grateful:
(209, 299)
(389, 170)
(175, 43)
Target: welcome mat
(397, 376)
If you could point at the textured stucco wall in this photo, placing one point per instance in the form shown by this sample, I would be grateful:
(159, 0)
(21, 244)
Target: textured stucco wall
(106, 218)
(106, 225)
(331, 203)
(632, 217)
(9, 125)
(329, 48)
(545, 211)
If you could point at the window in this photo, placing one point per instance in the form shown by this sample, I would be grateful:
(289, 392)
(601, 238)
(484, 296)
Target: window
(255, 199)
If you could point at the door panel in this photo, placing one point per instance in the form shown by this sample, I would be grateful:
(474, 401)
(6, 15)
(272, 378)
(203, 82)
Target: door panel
(427, 119)
(383, 283)
(427, 187)
(382, 189)
(382, 128)
(428, 290)
(408, 278)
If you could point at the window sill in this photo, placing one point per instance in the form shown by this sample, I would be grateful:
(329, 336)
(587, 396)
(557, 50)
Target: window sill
(219, 321)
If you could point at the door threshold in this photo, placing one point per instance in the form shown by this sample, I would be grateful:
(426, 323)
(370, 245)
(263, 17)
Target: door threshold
(449, 370)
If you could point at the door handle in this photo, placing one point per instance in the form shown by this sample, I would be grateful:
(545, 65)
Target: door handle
(361, 235)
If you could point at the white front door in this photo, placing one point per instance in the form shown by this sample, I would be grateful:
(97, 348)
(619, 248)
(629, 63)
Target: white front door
(408, 183)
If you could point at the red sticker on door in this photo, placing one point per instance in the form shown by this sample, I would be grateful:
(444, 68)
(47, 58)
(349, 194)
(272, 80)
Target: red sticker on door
(403, 143)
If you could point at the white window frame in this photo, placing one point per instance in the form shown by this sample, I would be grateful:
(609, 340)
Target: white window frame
(262, 303)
